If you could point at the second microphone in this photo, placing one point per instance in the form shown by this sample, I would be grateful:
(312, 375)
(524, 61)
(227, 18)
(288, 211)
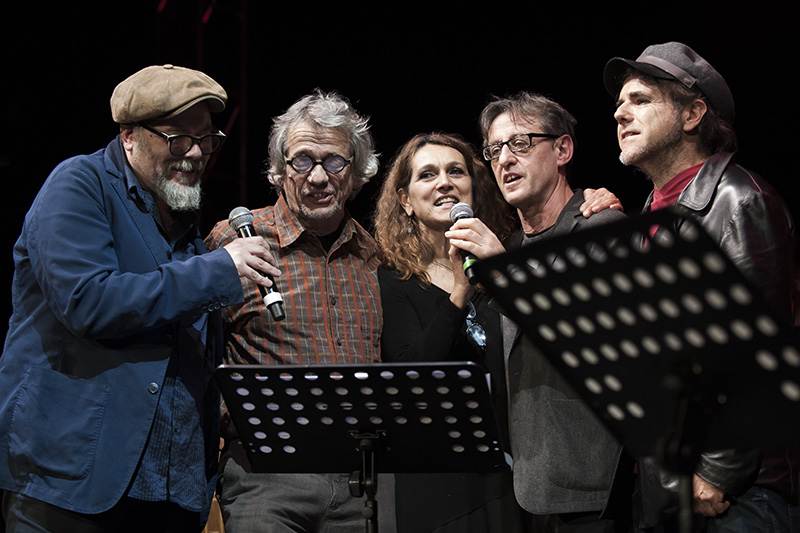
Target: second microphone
(241, 220)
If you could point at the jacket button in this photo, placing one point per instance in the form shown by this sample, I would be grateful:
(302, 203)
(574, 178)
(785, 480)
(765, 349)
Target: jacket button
(152, 388)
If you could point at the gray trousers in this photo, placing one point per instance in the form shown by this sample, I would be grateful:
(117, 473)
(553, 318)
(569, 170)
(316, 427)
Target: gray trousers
(311, 503)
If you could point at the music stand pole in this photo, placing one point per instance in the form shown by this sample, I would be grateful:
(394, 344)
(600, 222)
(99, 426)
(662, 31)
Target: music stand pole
(365, 481)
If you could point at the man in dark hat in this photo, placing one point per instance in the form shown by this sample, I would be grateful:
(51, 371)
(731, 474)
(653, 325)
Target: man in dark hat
(674, 118)
(108, 410)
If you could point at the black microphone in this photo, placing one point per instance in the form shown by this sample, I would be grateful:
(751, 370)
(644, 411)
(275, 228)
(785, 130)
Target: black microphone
(241, 220)
(457, 212)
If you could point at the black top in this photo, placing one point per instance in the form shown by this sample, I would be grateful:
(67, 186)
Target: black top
(421, 324)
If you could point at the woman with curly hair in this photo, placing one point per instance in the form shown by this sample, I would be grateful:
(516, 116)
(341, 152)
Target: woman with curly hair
(429, 306)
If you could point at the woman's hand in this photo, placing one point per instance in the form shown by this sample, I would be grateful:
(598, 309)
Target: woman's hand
(475, 237)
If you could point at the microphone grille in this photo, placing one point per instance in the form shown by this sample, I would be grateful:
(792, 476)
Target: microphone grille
(239, 217)
(460, 210)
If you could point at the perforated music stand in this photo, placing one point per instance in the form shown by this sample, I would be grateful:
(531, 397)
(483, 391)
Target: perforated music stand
(662, 336)
(363, 419)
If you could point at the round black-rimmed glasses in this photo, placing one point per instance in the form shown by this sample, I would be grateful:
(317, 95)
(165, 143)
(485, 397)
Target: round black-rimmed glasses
(333, 163)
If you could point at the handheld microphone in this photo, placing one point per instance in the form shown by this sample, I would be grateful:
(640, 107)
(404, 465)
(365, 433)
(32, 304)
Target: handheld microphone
(457, 212)
(241, 220)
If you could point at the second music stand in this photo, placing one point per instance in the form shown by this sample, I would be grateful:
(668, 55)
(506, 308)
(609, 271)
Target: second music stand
(650, 329)
(659, 333)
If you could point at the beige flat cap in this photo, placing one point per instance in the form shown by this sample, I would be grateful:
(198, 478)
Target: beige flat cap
(163, 91)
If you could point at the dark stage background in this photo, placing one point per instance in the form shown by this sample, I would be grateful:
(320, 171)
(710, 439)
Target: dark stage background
(411, 67)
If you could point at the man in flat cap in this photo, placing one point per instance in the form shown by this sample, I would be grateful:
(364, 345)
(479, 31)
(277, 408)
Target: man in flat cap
(675, 123)
(108, 410)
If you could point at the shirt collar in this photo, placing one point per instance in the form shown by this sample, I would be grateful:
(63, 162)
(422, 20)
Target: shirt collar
(147, 202)
(669, 193)
(142, 197)
(289, 228)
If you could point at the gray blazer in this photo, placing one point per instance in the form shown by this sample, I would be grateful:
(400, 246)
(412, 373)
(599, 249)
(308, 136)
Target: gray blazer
(564, 458)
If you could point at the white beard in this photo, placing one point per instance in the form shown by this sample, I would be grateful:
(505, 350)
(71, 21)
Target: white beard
(177, 196)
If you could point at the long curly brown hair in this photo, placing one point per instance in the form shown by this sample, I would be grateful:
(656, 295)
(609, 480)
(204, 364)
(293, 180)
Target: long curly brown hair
(404, 250)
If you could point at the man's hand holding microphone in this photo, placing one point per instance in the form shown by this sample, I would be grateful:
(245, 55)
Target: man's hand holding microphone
(254, 261)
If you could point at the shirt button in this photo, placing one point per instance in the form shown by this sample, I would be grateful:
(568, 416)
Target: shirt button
(152, 388)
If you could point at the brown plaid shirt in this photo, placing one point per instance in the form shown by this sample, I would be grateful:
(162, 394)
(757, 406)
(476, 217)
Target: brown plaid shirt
(331, 299)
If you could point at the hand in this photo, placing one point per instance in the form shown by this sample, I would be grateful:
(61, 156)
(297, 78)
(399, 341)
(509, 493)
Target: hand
(462, 289)
(595, 200)
(475, 237)
(708, 499)
(252, 257)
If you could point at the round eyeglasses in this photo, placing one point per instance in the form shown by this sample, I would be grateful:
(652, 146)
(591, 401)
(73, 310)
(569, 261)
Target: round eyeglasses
(332, 164)
(181, 144)
(517, 143)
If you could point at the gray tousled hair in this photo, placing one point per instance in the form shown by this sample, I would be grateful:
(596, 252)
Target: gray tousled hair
(327, 110)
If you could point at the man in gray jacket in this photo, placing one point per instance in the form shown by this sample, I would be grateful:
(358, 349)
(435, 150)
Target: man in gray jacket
(674, 122)
(564, 459)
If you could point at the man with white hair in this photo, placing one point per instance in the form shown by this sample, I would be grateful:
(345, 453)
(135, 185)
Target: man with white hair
(321, 152)
(108, 410)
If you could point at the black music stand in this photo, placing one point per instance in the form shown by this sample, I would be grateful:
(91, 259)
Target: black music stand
(660, 334)
(363, 419)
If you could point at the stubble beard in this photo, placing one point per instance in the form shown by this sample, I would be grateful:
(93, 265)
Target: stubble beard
(319, 215)
(657, 155)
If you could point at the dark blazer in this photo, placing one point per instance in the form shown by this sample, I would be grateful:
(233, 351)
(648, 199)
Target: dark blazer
(564, 458)
(97, 301)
